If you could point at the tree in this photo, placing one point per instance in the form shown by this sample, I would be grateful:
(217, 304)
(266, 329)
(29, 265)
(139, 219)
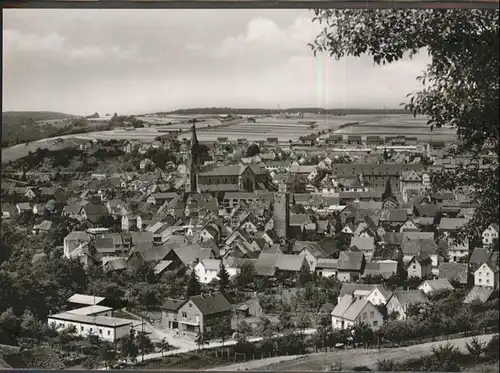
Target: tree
(246, 275)
(244, 330)
(193, 286)
(144, 343)
(223, 276)
(128, 347)
(31, 326)
(90, 363)
(201, 340)
(107, 355)
(9, 322)
(492, 349)
(303, 322)
(163, 345)
(285, 322)
(252, 150)
(475, 348)
(460, 85)
(444, 359)
(386, 365)
(388, 190)
(265, 328)
(220, 330)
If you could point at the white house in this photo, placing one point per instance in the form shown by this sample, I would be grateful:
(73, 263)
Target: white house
(107, 328)
(379, 295)
(457, 250)
(327, 267)
(207, 270)
(402, 299)
(486, 275)
(432, 286)
(350, 311)
(490, 234)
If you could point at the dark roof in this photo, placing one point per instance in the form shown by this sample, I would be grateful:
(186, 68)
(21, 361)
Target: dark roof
(480, 293)
(413, 247)
(173, 304)
(454, 271)
(422, 259)
(209, 304)
(350, 261)
(480, 255)
(427, 210)
(95, 209)
(407, 297)
(393, 238)
(348, 288)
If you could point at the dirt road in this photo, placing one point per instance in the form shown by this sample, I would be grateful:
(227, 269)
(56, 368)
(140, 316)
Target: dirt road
(347, 359)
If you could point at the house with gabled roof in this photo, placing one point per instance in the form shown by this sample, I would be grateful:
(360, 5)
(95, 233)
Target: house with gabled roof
(481, 255)
(409, 225)
(456, 272)
(490, 234)
(366, 245)
(433, 286)
(411, 247)
(312, 251)
(379, 295)
(351, 266)
(196, 315)
(420, 266)
(479, 293)
(402, 299)
(448, 225)
(487, 275)
(351, 311)
(384, 268)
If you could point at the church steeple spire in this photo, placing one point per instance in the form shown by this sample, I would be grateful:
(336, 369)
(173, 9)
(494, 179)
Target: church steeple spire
(194, 160)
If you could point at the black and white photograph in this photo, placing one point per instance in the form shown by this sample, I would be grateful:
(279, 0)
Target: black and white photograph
(250, 190)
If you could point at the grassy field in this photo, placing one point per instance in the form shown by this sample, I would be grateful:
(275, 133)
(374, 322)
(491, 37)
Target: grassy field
(350, 359)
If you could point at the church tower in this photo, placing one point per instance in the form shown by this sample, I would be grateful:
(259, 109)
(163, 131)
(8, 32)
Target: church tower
(281, 211)
(194, 163)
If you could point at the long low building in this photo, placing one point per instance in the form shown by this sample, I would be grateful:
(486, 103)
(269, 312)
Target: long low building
(104, 327)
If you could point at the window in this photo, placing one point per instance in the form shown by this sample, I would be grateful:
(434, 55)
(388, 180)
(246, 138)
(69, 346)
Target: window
(184, 315)
(364, 315)
(109, 332)
(190, 305)
(91, 330)
(487, 281)
(372, 314)
(100, 331)
(81, 328)
(479, 280)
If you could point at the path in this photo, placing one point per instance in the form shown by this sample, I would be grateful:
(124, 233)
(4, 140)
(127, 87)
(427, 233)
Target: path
(348, 359)
(183, 345)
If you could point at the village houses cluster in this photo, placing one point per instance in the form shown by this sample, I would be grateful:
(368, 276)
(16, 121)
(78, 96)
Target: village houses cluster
(285, 210)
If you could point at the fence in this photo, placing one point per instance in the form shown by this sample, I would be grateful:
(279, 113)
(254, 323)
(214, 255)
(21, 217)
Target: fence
(229, 353)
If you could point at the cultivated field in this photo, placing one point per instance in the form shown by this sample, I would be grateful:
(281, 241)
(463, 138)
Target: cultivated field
(284, 129)
(399, 125)
(294, 128)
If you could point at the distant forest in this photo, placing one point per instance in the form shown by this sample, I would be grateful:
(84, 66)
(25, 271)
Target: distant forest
(225, 110)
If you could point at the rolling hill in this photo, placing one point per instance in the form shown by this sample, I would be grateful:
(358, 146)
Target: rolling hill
(21, 126)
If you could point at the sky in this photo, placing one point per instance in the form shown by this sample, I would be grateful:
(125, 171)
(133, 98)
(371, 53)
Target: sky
(137, 61)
